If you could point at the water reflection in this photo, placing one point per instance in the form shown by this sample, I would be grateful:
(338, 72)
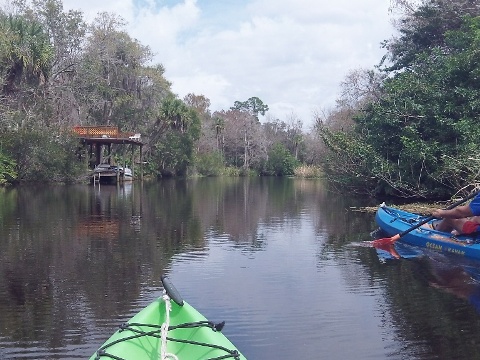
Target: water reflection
(268, 255)
(459, 277)
(431, 302)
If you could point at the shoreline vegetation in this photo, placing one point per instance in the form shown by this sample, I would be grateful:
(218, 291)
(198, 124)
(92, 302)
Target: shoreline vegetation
(406, 129)
(416, 208)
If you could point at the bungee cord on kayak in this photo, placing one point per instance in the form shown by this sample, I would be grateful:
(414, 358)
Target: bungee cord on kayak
(164, 355)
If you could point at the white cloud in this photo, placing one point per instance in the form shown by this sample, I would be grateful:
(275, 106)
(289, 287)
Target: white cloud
(91, 8)
(158, 28)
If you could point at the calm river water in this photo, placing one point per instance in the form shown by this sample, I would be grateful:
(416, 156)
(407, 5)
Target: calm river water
(275, 258)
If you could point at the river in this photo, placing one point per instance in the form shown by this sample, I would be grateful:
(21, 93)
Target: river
(276, 258)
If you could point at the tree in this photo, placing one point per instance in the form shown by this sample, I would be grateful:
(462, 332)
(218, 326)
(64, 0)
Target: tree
(198, 102)
(219, 126)
(428, 115)
(26, 53)
(416, 139)
(173, 143)
(294, 135)
(423, 29)
(66, 31)
(243, 146)
(201, 105)
(252, 106)
(280, 161)
(360, 87)
(114, 74)
(39, 154)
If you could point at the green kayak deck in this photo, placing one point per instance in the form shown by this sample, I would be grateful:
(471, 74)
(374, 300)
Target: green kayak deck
(190, 335)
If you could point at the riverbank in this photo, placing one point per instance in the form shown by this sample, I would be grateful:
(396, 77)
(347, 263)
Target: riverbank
(417, 208)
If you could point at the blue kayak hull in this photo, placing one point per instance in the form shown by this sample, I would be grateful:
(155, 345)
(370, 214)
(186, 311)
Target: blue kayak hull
(395, 221)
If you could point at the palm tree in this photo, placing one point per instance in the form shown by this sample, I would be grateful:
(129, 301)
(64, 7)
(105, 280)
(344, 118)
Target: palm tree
(175, 113)
(26, 52)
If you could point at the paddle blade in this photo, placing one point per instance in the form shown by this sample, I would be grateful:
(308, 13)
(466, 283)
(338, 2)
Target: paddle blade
(385, 241)
(390, 248)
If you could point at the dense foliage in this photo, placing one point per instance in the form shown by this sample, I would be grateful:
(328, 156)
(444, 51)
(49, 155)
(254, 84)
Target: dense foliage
(59, 71)
(419, 136)
(280, 162)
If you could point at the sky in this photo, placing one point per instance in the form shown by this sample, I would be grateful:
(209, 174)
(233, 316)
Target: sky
(292, 54)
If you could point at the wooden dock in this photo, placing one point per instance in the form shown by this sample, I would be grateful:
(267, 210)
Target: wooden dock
(98, 141)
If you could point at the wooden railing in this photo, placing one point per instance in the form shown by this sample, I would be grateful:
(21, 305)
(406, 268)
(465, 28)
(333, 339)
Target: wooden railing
(103, 131)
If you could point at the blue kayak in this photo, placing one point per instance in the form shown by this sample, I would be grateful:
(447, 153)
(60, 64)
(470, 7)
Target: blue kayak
(394, 221)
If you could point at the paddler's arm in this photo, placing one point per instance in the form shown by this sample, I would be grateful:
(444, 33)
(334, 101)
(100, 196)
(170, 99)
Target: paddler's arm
(455, 213)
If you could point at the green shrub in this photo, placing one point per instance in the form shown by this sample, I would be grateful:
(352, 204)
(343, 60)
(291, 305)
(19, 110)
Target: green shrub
(7, 169)
(210, 164)
(280, 161)
(42, 155)
(306, 171)
(231, 171)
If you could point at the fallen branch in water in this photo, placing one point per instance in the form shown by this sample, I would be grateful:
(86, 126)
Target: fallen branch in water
(417, 208)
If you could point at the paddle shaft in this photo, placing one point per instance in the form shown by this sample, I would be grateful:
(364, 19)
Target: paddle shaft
(424, 221)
